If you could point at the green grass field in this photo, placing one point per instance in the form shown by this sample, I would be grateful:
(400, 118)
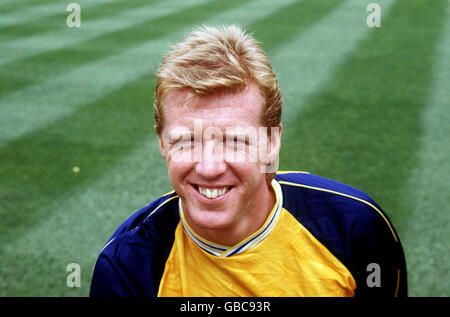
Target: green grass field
(365, 106)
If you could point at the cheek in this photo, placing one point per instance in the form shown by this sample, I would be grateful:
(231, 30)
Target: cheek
(249, 173)
(177, 171)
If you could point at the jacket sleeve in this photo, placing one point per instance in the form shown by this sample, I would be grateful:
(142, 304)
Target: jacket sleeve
(108, 280)
(378, 261)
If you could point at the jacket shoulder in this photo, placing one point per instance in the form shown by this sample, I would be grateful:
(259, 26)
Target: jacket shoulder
(160, 209)
(132, 261)
(309, 196)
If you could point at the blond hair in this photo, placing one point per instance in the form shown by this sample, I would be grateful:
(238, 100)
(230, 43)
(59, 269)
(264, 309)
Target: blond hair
(215, 59)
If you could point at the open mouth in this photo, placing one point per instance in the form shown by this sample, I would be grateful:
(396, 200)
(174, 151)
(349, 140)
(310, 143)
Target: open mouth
(214, 192)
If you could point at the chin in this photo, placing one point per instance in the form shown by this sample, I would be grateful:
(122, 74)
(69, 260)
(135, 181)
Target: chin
(209, 219)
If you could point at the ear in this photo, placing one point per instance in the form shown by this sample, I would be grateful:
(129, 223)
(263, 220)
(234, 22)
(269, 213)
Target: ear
(270, 159)
(274, 144)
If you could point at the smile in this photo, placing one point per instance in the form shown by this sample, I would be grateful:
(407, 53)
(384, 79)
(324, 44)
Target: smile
(212, 193)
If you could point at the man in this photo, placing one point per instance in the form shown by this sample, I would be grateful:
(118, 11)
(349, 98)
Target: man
(232, 226)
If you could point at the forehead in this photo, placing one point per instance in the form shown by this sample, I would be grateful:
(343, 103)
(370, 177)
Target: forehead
(242, 108)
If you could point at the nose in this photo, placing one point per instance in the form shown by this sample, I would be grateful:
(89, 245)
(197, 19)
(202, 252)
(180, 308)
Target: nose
(211, 164)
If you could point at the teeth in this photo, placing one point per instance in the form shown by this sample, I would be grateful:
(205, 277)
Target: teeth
(212, 192)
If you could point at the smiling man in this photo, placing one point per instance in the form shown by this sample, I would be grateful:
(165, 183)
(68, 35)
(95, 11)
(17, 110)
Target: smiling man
(233, 226)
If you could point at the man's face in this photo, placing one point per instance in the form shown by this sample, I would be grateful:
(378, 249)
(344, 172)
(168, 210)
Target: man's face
(217, 191)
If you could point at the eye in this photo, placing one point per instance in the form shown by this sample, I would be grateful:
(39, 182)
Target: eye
(188, 140)
(237, 142)
(182, 142)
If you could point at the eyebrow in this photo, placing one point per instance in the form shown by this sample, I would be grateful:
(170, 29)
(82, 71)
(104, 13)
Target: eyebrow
(177, 134)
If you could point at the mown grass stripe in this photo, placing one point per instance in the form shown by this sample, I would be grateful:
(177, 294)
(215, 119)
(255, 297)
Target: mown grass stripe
(319, 52)
(301, 70)
(309, 12)
(36, 69)
(8, 6)
(90, 29)
(57, 21)
(30, 13)
(44, 10)
(426, 195)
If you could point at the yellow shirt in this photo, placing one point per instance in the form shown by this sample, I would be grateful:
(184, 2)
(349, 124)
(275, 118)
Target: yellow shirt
(281, 259)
